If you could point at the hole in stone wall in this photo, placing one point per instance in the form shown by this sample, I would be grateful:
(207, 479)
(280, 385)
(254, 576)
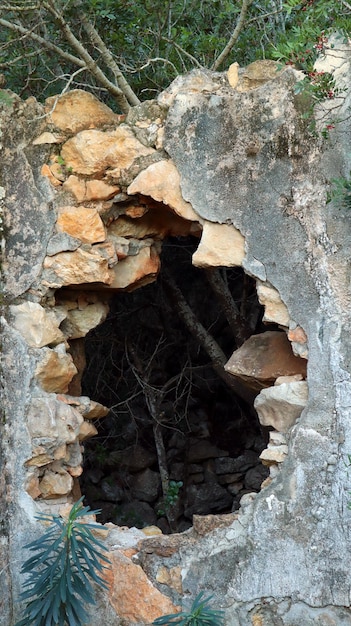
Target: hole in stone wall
(172, 417)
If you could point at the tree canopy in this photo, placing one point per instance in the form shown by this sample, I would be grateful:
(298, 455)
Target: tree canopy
(125, 51)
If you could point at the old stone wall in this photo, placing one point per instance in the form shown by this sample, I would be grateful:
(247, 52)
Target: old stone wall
(88, 197)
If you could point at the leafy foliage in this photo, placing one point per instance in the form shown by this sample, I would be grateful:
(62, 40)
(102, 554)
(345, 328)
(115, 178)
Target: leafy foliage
(171, 496)
(340, 193)
(5, 98)
(64, 561)
(307, 26)
(152, 41)
(200, 614)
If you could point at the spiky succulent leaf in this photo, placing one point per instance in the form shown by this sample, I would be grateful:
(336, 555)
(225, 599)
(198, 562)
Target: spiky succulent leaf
(64, 559)
(200, 614)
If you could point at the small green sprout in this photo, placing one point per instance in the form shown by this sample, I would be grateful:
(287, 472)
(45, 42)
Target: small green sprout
(200, 614)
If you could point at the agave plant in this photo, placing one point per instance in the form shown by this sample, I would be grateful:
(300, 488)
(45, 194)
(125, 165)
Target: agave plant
(200, 614)
(67, 557)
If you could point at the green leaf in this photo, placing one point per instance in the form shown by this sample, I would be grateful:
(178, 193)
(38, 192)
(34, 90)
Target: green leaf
(58, 586)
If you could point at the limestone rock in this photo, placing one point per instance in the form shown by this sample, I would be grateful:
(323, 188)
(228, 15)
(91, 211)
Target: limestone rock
(146, 485)
(288, 379)
(132, 595)
(299, 341)
(134, 513)
(171, 577)
(32, 484)
(203, 524)
(94, 152)
(161, 181)
(281, 405)
(254, 477)
(111, 491)
(52, 423)
(75, 268)
(47, 137)
(258, 73)
(203, 450)
(54, 485)
(208, 496)
(46, 171)
(158, 222)
(151, 531)
(241, 463)
(81, 320)
(55, 370)
(89, 190)
(274, 308)
(57, 169)
(37, 325)
(135, 271)
(87, 430)
(264, 357)
(134, 459)
(96, 411)
(196, 81)
(77, 350)
(220, 245)
(147, 120)
(107, 250)
(233, 75)
(273, 455)
(62, 242)
(86, 407)
(78, 110)
(81, 223)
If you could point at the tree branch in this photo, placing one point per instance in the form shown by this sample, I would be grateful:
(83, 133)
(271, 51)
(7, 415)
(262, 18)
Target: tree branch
(184, 311)
(234, 37)
(186, 54)
(109, 60)
(211, 347)
(91, 64)
(43, 42)
(239, 327)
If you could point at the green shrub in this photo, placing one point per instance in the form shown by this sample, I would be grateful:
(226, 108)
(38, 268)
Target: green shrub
(200, 614)
(340, 193)
(66, 558)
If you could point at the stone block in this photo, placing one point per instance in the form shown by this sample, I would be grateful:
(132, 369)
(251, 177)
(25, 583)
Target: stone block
(132, 594)
(161, 181)
(274, 308)
(263, 358)
(55, 370)
(37, 325)
(77, 110)
(221, 245)
(81, 223)
(281, 405)
(92, 152)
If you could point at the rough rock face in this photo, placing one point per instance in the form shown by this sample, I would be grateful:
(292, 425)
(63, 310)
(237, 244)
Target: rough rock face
(91, 223)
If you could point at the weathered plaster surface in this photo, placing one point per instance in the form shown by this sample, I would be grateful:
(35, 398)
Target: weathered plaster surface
(246, 159)
(297, 537)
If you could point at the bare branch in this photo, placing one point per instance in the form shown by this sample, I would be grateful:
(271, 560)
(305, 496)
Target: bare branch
(207, 342)
(234, 37)
(154, 60)
(184, 311)
(43, 42)
(109, 60)
(184, 52)
(66, 87)
(17, 8)
(239, 327)
(91, 64)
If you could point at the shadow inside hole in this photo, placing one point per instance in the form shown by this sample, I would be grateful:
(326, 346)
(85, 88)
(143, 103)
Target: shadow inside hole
(171, 416)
